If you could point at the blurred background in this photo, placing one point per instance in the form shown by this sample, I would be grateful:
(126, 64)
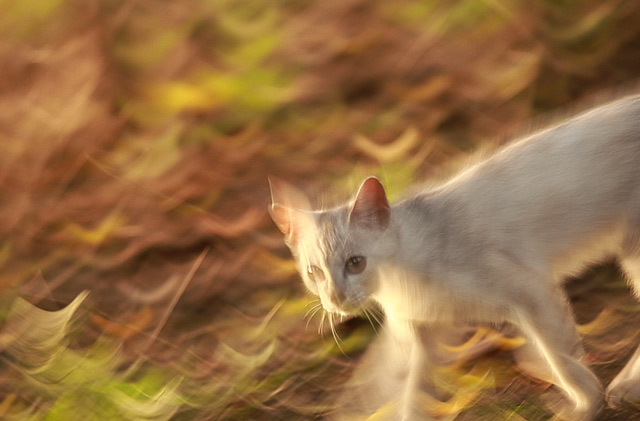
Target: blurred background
(140, 274)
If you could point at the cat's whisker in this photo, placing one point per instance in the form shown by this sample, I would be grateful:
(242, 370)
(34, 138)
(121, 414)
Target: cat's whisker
(366, 313)
(310, 315)
(315, 302)
(335, 334)
(324, 314)
(316, 309)
(376, 316)
(313, 310)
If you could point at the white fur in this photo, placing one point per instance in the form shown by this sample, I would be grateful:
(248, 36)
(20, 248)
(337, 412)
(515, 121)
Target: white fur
(494, 243)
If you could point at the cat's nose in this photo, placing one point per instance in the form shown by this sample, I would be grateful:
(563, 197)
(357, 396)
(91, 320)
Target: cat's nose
(337, 296)
(331, 298)
(329, 305)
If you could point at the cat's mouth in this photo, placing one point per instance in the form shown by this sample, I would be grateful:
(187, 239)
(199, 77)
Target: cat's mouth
(339, 309)
(339, 301)
(342, 307)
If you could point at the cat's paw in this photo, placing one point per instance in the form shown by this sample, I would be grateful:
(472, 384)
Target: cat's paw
(591, 412)
(621, 390)
(586, 410)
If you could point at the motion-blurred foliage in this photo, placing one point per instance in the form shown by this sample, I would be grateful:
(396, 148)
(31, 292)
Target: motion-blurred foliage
(135, 143)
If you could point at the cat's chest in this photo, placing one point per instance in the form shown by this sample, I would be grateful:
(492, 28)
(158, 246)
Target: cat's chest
(407, 296)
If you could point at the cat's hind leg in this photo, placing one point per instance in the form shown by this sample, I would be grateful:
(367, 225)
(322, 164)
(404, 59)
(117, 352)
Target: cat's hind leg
(625, 387)
(546, 320)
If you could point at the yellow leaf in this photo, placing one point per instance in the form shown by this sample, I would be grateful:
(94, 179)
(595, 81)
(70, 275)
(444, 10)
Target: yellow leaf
(99, 234)
(385, 412)
(616, 347)
(394, 151)
(487, 335)
(20, 18)
(268, 262)
(6, 404)
(517, 75)
(296, 306)
(448, 377)
(587, 25)
(431, 89)
(602, 323)
(183, 96)
(247, 360)
(150, 155)
(32, 334)
(5, 253)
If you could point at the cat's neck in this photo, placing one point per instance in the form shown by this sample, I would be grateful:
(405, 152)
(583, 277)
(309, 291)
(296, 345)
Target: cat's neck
(411, 278)
(419, 227)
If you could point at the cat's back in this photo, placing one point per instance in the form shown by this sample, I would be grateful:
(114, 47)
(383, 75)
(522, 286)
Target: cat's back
(551, 189)
(604, 135)
(598, 150)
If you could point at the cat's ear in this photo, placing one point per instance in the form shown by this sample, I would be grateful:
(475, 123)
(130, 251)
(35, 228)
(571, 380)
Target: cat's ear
(371, 207)
(288, 220)
(287, 195)
(285, 209)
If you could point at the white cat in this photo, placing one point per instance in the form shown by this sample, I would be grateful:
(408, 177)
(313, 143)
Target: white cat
(491, 245)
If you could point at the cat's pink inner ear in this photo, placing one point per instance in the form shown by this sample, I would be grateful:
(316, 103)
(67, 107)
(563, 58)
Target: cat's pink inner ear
(289, 210)
(371, 207)
(278, 190)
(282, 217)
(289, 222)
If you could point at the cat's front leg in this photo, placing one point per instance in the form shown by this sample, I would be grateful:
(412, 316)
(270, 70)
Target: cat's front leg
(409, 399)
(625, 387)
(387, 383)
(415, 343)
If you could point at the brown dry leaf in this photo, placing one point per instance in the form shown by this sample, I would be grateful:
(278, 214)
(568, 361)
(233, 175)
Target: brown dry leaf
(454, 405)
(431, 89)
(587, 24)
(132, 326)
(513, 74)
(247, 221)
(157, 294)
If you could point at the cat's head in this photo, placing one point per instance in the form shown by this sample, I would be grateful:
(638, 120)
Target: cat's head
(338, 251)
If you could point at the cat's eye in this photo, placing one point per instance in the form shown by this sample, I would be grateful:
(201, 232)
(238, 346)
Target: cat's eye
(356, 264)
(315, 273)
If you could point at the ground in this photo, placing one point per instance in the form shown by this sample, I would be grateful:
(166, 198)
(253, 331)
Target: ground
(135, 143)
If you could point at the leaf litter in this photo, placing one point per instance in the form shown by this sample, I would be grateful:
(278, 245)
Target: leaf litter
(141, 277)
